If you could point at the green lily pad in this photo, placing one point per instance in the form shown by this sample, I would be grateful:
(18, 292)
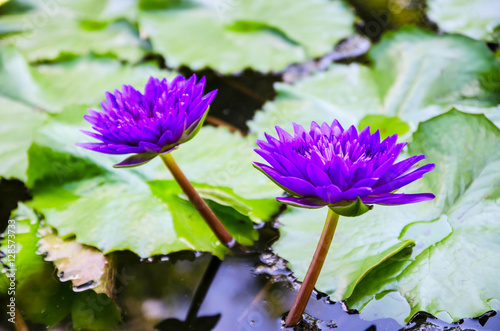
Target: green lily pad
(415, 76)
(97, 10)
(101, 10)
(234, 36)
(387, 126)
(45, 30)
(61, 35)
(148, 220)
(476, 19)
(81, 81)
(456, 235)
(40, 297)
(17, 125)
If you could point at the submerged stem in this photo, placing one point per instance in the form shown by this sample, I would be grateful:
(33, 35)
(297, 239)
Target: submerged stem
(300, 302)
(208, 215)
(203, 287)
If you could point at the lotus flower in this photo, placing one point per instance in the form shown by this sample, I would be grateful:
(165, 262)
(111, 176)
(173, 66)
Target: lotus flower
(156, 122)
(332, 166)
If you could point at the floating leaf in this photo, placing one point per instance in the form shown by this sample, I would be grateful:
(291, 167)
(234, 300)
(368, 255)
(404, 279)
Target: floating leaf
(456, 235)
(45, 30)
(93, 311)
(17, 125)
(415, 75)
(113, 215)
(40, 297)
(61, 35)
(262, 35)
(97, 10)
(81, 81)
(476, 19)
(86, 267)
(387, 126)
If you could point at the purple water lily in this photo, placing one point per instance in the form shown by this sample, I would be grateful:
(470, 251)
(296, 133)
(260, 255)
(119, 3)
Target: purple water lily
(332, 166)
(156, 122)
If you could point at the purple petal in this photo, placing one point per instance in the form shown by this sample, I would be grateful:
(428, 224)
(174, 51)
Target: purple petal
(291, 184)
(283, 135)
(166, 138)
(135, 160)
(409, 198)
(94, 135)
(265, 146)
(92, 146)
(303, 202)
(289, 166)
(298, 130)
(318, 176)
(353, 133)
(337, 129)
(149, 147)
(380, 198)
(210, 96)
(353, 193)
(272, 161)
(364, 135)
(129, 149)
(382, 168)
(339, 172)
(367, 182)
(399, 168)
(330, 194)
(326, 130)
(403, 181)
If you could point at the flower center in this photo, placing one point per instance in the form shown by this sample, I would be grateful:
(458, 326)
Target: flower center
(325, 148)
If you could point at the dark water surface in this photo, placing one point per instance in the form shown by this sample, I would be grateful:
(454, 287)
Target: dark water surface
(242, 293)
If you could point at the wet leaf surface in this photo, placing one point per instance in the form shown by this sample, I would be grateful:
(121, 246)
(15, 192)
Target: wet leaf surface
(85, 267)
(415, 76)
(82, 81)
(63, 36)
(17, 125)
(232, 36)
(455, 16)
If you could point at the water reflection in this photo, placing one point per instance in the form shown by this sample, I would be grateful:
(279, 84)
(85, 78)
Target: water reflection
(204, 294)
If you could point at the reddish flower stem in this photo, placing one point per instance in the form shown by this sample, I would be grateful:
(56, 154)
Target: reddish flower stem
(208, 215)
(300, 302)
